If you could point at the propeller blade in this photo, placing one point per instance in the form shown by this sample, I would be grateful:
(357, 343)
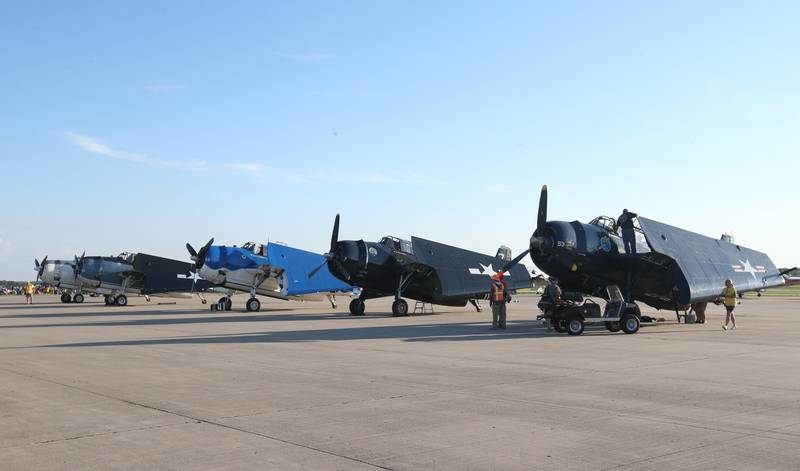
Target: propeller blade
(335, 235)
(541, 218)
(191, 250)
(36, 263)
(200, 257)
(314, 271)
(515, 260)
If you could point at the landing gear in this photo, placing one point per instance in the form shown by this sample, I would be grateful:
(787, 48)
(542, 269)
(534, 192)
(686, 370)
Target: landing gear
(121, 300)
(477, 304)
(400, 308)
(65, 298)
(78, 298)
(357, 307)
(225, 302)
(253, 305)
(109, 300)
(332, 300)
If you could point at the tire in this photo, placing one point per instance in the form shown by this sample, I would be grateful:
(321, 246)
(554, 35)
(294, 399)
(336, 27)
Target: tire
(630, 324)
(229, 304)
(78, 298)
(574, 325)
(65, 298)
(223, 300)
(121, 300)
(613, 326)
(253, 305)
(357, 307)
(109, 300)
(400, 308)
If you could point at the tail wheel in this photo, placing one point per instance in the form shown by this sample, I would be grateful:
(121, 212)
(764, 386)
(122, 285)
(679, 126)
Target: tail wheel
(630, 324)
(574, 325)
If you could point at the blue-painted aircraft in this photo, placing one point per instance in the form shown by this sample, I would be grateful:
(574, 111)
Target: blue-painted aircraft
(271, 269)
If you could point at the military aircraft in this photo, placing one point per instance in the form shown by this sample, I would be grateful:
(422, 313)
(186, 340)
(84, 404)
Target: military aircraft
(672, 267)
(61, 274)
(138, 273)
(419, 269)
(271, 269)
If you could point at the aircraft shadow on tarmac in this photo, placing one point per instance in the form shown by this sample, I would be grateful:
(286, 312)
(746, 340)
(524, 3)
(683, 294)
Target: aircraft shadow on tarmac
(129, 313)
(471, 331)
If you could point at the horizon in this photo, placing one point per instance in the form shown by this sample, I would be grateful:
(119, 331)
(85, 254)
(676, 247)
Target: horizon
(138, 128)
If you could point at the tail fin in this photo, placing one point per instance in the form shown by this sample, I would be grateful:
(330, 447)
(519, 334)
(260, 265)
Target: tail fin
(503, 253)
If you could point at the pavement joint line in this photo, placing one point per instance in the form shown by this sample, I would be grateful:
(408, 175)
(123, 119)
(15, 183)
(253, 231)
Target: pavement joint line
(200, 420)
(98, 434)
(699, 447)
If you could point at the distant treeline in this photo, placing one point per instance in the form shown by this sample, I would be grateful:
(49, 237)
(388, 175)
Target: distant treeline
(11, 284)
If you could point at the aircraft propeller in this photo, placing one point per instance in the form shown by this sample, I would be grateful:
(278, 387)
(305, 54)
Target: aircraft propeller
(79, 263)
(39, 267)
(331, 256)
(538, 239)
(199, 258)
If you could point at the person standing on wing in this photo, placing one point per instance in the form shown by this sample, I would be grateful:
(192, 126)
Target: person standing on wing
(625, 222)
(498, 297)
(729, 300)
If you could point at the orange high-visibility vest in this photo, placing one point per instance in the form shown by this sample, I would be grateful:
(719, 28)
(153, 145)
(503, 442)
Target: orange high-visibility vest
(498, 291)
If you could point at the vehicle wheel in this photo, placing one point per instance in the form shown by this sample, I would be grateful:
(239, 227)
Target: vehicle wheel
(357, 307)
(574, 325)
(613, 326)
(630, 324)
(121, 300)
(109, 300)
(400, 307)
(253, 305)
(559, 326)
(65, 298)
(78, 298)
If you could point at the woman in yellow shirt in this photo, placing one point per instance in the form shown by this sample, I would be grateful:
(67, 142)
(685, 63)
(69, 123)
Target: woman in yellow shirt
(729, 299)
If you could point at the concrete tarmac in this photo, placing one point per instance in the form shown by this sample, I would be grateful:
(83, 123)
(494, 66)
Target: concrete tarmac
(301, 386)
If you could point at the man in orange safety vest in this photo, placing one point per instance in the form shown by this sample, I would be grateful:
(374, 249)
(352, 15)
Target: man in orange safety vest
(498, 297)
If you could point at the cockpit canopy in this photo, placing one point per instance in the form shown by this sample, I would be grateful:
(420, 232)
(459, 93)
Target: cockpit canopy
(256, 248)
(606, 222)
(398, 244)
(127, 256)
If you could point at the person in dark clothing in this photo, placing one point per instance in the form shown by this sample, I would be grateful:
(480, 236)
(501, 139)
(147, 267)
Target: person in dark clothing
(625, 222)
(498, 297)
(551, 296)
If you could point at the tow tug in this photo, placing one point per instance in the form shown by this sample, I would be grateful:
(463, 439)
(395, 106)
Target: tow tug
(572, 312)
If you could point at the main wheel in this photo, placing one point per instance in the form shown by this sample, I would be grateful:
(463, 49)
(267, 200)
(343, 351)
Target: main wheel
(253, 305)
(400, 308)
(357, 307)
(613, 326)
(109, 300)
(65, 298)
(630, 324)
(223, 300)
(78, 298)
(574, 325)
(121, 300)
(228, 304)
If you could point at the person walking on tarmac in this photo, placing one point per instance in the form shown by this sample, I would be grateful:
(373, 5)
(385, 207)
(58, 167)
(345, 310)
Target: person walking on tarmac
(551, 295)
(625, 222)
(29, 293)
(728, 296)
(498, 297)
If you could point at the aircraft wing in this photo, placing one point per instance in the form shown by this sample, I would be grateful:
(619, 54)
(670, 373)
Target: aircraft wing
(164, 275)
(296, 264)
(705, 263)
(463, 273)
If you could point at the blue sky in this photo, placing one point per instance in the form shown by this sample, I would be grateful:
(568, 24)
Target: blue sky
(139, 126)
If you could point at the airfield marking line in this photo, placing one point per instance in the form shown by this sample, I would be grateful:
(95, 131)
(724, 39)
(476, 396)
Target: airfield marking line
(197, 419)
